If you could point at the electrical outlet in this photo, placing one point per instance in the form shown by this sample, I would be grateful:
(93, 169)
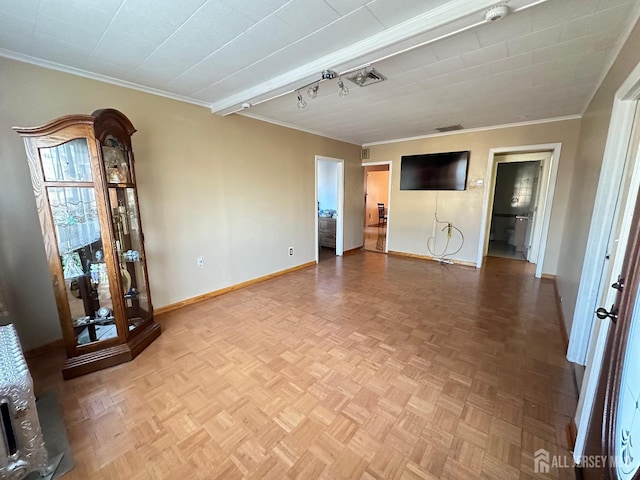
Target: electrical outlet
(200, 262)
(291, 251)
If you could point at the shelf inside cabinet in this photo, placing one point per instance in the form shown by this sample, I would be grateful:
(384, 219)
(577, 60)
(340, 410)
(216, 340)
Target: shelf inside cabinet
(120, 185)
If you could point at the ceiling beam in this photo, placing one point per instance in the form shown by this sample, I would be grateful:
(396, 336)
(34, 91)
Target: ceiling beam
(450, 18)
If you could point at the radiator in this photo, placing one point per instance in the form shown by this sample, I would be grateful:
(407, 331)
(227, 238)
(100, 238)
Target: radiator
(22, 448)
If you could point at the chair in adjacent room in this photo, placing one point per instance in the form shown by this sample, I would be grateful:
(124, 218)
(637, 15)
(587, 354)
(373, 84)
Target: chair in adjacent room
(382, 214)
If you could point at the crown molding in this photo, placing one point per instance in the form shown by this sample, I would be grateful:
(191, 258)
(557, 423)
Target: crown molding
(430, 20)
(293, 127)
(475, 130)
(39, 62)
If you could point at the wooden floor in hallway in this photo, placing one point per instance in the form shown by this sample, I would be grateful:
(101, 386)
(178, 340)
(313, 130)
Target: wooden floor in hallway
(375, 238)
(364, 367)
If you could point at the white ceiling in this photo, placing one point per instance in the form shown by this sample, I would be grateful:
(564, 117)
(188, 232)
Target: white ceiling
(545, 60)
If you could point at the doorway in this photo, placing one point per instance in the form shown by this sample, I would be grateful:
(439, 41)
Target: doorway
(329, 207)
(377, 188)
(514, 208)
(535, 231)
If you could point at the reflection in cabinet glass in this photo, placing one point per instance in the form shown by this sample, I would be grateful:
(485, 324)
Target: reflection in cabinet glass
(83, 178)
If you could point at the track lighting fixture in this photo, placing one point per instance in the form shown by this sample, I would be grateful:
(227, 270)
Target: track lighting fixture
(329, 74)
(301, 102)
(362, 77)
(312, 91)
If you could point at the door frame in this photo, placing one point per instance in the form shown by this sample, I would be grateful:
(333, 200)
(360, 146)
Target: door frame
(600, 434)
(371, 164)
(588, 337)
(543, 159)
(545, 199)
(340, 206)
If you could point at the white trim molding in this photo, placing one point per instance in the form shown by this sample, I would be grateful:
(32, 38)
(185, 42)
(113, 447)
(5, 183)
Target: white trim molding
(604, 210)
(475, 130)
(587, 341)
(261, 118)
(39, 62)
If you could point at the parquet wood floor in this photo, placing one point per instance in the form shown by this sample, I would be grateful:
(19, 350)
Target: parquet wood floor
(366, 367)
(375, 238)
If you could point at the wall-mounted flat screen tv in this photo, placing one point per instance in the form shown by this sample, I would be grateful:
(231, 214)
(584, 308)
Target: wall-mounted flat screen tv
(434, 171)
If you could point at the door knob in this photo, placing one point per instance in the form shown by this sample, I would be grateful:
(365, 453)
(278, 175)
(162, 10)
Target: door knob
(602, 313)
(619, 285)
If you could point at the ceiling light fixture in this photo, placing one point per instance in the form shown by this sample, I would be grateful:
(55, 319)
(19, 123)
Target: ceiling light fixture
(314, 87)
(301, 102)
(343, 91)
(329, 74)
(497, 13)
(312, 91)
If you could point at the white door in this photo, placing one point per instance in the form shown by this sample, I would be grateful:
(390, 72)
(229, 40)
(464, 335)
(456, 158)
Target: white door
(533, 214)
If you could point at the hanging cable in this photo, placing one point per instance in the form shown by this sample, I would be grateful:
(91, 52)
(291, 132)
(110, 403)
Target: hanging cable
(449, 228)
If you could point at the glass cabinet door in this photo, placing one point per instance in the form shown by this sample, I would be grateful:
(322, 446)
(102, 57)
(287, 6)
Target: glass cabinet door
(128, 240)
(69, 162)
(79, 240)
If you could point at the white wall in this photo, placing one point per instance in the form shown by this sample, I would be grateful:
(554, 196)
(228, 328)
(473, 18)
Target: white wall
(328, 185)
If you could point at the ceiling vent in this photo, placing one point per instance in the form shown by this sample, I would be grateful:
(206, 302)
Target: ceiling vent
(450, 128)
(367, 77)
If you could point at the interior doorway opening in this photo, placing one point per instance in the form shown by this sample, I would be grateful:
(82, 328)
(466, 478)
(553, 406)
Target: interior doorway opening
(535, 234)
(330, 207)
(376, 207)
(514, 209)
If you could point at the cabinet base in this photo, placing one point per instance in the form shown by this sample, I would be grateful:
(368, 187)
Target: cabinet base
(109, 357)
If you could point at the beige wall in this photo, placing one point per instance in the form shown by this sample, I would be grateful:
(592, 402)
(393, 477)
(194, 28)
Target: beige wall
(410, 221)
(593, 136)
(234, 190)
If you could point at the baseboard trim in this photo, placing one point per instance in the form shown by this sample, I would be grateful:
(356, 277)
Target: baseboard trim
(351, 251)
(548, 276)
(46, 348)
(563, 325)
(427, 257)
(572, 434)
(222, 291)
(565, 336)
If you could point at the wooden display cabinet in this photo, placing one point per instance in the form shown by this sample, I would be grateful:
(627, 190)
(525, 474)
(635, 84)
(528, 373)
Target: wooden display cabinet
(83, 176)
